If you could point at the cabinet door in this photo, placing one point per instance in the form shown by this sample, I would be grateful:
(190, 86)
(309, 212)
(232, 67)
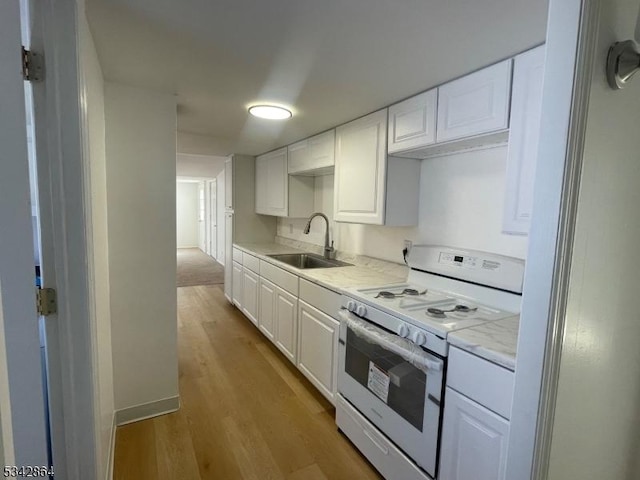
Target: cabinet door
(236, 291)
(266, 311)
(360, 170)
(250, 295)
(474, 441)
(318, 348)
(322, 150)
(299, 156)
(277, 183)
(412, 123)
(262, 178)
(475, 104)
(526, 106)
(286, 317)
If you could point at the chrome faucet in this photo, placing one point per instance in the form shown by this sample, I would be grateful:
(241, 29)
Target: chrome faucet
(328, 248)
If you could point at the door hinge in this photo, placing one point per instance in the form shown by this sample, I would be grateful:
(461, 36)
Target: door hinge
(46, 301)
(32, 66)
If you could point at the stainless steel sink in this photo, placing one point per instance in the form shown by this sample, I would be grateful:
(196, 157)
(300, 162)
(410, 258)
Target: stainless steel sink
(307, 260)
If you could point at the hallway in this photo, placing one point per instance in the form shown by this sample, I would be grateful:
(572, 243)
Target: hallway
(246, 412)
(194, 267)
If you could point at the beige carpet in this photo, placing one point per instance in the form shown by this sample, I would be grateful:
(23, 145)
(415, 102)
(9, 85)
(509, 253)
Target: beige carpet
(197, 268)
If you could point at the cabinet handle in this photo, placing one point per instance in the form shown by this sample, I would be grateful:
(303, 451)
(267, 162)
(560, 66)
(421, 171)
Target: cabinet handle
(375, 441)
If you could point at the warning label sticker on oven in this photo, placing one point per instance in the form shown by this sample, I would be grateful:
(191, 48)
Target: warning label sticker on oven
(378, 382)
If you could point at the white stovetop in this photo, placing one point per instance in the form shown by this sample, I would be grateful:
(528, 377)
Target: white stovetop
(414, 308)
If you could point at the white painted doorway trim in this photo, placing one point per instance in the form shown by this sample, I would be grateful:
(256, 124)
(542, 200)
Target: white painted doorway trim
(569, 53)
(17, 272)
(65, 194)
(212, 216)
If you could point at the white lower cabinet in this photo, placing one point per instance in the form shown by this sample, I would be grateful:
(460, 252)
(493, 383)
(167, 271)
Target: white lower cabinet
(286, 318)
(317, 348)
(236, 279)
(266, 310)
(474, 441)
(250, 294)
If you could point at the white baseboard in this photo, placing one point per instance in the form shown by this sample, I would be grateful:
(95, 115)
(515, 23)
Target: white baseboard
(112, 448)
(147, 410)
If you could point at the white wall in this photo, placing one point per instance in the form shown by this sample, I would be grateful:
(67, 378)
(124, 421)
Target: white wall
(141, 189)
(596, 433)
(103, 360)
(461, 202)
(202, 166)
(187, 226)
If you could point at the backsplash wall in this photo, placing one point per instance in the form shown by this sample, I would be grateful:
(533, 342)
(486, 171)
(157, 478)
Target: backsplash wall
(461, 203)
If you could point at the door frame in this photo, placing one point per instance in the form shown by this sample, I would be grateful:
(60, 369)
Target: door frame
(66, 231)
(212, 216)
(570, 48)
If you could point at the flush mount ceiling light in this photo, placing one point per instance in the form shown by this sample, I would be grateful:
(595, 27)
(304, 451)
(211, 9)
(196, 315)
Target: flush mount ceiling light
(270, 112)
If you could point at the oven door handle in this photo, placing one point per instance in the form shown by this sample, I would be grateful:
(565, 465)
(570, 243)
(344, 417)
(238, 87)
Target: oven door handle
(408, 350)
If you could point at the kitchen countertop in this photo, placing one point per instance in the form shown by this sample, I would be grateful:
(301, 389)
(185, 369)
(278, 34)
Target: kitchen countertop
(494, 341)
(336, 278)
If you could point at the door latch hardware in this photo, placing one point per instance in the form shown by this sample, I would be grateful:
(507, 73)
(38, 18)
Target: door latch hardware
(46, 301)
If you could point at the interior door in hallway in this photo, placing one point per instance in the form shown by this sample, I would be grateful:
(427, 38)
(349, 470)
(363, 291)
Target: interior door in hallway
(23, 403)
(202, 216)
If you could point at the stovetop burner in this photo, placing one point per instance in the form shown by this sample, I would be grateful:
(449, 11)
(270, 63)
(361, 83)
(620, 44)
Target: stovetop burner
(407, 291)
(439, 313)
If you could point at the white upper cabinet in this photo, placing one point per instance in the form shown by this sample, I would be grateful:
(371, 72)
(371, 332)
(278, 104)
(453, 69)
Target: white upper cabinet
(526, 105)
(369, 188)
(475, 104)
(412, 123)
(279, 194)
(313, 156)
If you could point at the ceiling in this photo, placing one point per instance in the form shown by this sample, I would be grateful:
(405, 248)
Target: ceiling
(331, 60)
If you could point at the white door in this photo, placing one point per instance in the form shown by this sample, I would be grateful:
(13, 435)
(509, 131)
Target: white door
(412, 123)
(474, 441)
(23, 405)
(236, 279)
(202, 217)
(213, 219)
(229, 275)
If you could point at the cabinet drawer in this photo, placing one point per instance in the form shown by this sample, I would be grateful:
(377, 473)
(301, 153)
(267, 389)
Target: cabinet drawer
(251, 262)
(484, 382)
(380, 451)
(321, 298)
(283, 279)
(237, 255)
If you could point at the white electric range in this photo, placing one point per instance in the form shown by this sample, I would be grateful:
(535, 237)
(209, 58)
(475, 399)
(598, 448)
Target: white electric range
(393, 349)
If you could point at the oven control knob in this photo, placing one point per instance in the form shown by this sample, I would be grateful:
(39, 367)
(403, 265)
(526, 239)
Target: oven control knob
(351, 306)
(403, 331)
(361, 310)
(419, 338)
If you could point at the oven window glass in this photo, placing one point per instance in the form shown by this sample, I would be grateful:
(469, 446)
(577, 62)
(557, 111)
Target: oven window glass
(388, 376)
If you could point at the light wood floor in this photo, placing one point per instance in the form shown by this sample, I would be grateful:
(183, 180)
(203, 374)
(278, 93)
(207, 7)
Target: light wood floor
(246, 412)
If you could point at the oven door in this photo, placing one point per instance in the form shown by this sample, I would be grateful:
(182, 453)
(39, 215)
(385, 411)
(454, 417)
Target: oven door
(395, 384)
